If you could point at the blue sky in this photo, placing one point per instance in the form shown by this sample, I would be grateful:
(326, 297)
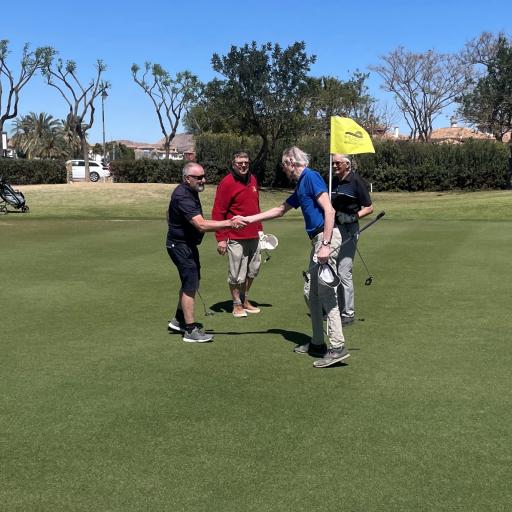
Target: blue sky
(344, 36)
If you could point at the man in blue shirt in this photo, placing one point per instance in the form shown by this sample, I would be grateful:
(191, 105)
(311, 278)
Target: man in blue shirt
(312, 197)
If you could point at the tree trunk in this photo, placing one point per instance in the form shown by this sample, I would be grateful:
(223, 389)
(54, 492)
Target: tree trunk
(3, 151)
(260, 162)
(85, 151)
(167, 147)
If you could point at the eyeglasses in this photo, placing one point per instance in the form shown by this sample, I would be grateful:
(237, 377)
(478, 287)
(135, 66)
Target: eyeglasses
(198, 178)
(339, 162)
(286, 162)
(240, 164)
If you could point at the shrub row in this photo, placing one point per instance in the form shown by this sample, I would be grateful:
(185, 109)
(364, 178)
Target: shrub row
(395, 166)
(474, 165)
(32, 172)
(147, 171)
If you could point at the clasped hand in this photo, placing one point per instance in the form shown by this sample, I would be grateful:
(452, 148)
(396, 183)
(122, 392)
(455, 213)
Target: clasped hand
(238, 222)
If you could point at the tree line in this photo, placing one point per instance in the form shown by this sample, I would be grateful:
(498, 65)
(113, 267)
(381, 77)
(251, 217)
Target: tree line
(267, 91)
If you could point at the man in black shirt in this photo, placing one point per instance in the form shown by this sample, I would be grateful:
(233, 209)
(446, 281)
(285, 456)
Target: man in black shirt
(352, 202)
(186, 228)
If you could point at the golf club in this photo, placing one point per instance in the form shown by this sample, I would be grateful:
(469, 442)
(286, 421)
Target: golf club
(208, 312)
(369, 279)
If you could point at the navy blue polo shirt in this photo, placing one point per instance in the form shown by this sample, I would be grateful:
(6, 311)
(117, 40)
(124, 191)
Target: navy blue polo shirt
(350, 194)
(184, 205)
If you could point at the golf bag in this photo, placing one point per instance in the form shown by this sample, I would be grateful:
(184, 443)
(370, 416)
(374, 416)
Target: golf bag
(11, 197)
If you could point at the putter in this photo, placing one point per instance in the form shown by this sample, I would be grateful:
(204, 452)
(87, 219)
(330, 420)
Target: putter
(208, 312)
(369, 279)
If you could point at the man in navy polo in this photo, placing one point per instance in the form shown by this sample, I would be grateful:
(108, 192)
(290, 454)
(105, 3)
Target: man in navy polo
(186, 228)
(313, 198)
(351, 200)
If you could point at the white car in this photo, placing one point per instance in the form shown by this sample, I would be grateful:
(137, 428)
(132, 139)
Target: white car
(96, 170)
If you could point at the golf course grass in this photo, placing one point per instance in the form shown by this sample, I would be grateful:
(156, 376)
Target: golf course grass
(103, 410)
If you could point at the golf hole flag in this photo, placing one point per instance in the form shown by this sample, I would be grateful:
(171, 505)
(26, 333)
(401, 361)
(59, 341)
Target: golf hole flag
(348, 138)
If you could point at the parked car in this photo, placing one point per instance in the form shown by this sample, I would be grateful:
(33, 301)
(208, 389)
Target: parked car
(96, 170)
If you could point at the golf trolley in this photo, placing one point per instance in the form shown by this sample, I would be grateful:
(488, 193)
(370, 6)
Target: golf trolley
(11, 197)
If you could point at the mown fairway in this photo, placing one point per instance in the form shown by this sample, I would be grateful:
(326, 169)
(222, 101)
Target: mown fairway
(102, 409)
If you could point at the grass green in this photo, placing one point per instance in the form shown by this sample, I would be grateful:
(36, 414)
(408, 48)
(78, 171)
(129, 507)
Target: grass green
(102, 409)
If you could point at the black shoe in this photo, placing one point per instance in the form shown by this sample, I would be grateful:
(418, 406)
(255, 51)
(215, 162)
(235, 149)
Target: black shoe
(312, 349)
(347, 320)
(333, 356)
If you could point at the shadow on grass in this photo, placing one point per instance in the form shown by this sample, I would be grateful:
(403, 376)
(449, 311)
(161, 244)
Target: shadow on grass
(227, 306)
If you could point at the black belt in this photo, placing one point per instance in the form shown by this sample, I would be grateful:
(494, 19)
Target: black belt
(316, 232)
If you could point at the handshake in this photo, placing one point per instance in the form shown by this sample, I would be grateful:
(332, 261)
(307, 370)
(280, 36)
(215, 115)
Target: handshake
(238, 222)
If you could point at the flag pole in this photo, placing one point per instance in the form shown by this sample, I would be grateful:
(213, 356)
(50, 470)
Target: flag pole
(330, 175)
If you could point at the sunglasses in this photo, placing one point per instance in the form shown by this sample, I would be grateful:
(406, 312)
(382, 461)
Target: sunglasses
(198, 178)
(240, 164)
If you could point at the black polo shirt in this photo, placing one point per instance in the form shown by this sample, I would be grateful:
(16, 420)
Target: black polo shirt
(184, 205)
(350, 194)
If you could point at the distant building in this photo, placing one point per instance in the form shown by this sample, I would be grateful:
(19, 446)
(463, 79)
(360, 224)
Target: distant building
(457, 134)
(181, 148)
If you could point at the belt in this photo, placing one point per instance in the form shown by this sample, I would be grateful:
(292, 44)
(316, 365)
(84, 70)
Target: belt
(316, 232)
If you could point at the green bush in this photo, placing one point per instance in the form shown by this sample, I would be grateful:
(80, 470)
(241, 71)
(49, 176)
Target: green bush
(147, 171)
(32, 172)
(409, 166)
(395, 165)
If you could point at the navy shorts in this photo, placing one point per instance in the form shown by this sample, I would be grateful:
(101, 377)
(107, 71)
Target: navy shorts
(186, 259)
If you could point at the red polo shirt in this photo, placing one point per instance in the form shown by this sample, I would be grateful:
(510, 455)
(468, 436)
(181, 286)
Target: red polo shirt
(233, 198)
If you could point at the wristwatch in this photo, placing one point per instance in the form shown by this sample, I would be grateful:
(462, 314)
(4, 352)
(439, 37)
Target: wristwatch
(326, 242)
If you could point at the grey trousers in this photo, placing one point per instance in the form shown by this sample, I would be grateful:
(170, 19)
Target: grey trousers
(322, 298)
(344, 264)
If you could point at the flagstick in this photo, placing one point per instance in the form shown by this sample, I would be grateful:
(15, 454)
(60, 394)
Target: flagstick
(330, 175)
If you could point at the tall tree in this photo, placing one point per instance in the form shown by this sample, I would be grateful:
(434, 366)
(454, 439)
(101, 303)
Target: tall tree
(330, 96)
(11, 83)
(268, 83)
(171, 96)
(40, 136)
(424, 84)
(79, 97)
(215, 111)
(488, 104)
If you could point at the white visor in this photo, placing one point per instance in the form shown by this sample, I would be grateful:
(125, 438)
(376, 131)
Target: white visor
(327, 276)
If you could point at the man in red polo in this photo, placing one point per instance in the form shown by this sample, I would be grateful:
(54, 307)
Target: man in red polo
(237, 194)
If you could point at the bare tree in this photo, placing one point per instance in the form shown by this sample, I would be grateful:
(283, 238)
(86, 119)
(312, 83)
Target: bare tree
(171, 97)
(482, 50)
(79, 98)
(11, 85)
(424, 84)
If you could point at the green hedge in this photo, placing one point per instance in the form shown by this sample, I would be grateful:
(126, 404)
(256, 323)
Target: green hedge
(32, 172)
(395, 166)
(474, 165)
(147, 171)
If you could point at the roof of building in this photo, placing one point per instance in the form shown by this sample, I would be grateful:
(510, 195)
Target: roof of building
(458, 133)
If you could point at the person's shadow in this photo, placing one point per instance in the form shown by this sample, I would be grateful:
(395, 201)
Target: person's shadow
(227, 306)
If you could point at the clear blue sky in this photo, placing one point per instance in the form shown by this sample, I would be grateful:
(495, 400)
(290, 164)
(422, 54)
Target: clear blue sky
(345, 36)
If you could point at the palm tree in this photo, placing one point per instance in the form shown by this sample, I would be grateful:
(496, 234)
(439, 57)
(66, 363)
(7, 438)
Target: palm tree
(41, 136)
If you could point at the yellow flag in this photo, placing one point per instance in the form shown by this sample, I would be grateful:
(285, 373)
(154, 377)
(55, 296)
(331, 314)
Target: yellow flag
(348, 138)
